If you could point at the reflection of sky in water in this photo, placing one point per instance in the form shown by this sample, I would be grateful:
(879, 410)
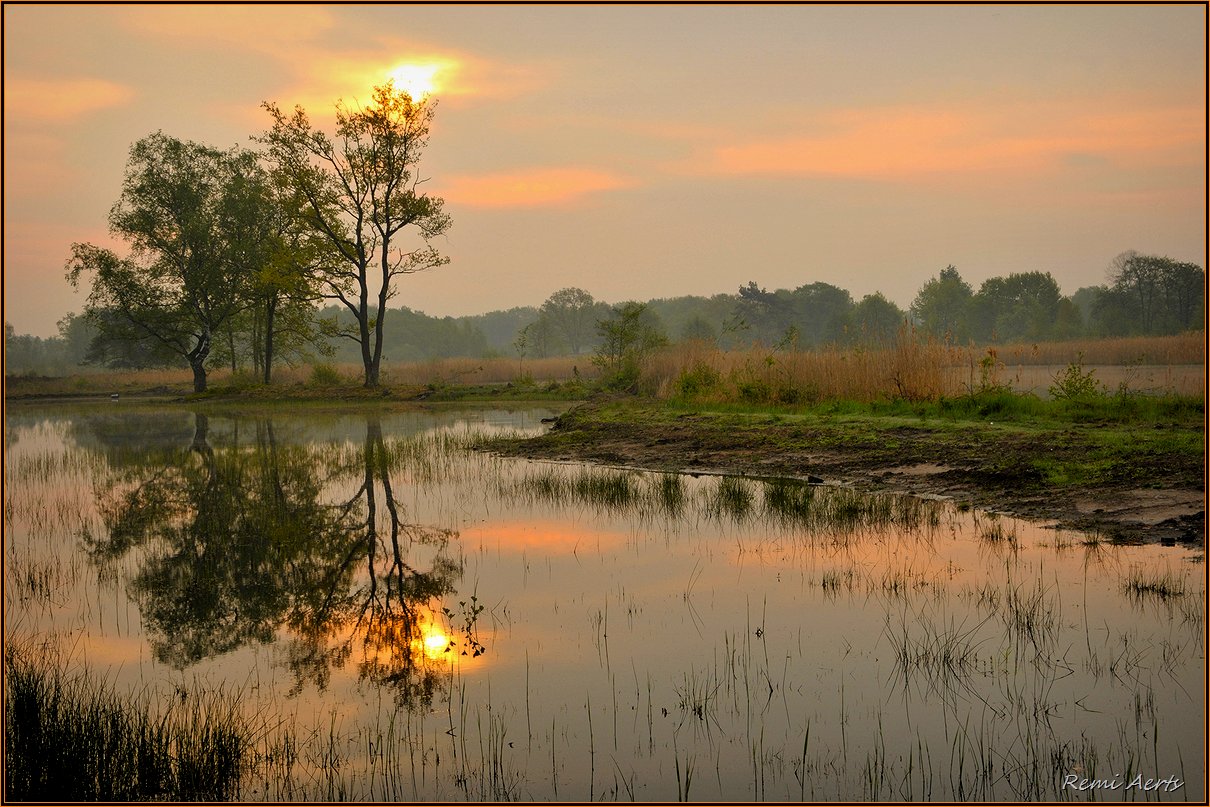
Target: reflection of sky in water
(686, 639)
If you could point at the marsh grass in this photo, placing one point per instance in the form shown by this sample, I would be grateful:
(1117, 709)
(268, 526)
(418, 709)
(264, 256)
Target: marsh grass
(1163, 586)
(601, 490)
(43, 580)
(993, 532)
(71, 737)
(1032, 615)
(1183, 348)
(788, 504)
(731, 499)
(910, 367)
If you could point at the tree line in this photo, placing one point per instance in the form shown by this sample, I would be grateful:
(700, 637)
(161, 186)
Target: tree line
(1144, 295)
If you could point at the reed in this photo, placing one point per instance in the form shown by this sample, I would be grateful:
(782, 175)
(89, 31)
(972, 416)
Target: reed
(909, 366)
(1184, 348)
(1163, 585)
(70, 737)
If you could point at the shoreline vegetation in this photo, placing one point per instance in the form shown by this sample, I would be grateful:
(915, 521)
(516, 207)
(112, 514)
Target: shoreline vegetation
(1106, 436)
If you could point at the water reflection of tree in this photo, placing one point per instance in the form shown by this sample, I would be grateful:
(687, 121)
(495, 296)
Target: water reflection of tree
(240, 543)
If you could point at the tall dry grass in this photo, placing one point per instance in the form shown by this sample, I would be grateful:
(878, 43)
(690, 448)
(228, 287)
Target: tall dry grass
(908, 366)
(1184, 348)
(913, 366)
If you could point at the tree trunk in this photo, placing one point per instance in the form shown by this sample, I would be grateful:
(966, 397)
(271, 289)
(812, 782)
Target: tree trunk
(199, 376)
(231, 346)
(384, 293)
(201, 434)
(197, 361)
(269, 311)
(363, 324)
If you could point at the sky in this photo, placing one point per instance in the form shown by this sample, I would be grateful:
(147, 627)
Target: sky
(652, 151)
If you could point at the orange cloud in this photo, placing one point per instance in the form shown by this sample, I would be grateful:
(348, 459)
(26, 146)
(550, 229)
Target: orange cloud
(530, 188)
(909, 143)
(60, 100)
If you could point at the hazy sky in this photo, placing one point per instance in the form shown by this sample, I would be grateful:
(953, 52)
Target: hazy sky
(650, 151)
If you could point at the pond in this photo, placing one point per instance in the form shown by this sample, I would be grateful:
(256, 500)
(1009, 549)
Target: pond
(399, 617)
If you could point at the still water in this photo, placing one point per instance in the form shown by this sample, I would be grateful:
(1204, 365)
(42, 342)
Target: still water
(405, 618)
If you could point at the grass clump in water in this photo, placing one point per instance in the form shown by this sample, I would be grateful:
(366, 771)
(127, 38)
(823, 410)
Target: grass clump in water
(732, 497)
(1161, 586)
(72, 738)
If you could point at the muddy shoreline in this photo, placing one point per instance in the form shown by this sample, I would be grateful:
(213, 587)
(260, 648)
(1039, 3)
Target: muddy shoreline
(1152, 498)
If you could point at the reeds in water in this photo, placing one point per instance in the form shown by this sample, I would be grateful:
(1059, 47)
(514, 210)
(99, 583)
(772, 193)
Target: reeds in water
(70, 737)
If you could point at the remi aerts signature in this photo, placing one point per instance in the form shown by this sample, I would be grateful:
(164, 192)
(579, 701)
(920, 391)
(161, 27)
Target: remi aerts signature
(1073, 781)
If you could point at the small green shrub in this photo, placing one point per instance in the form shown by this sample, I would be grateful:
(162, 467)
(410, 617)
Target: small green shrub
(324, 375)
(1076, 383)
(243, 379)
(788, 395)
(701, 379)
(754, 390)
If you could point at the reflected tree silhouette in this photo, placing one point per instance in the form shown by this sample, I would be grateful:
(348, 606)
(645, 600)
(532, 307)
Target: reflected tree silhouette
(246, 544)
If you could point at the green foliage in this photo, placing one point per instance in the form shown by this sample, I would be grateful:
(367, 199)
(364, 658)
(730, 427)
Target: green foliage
(243, 380)
(570, 314)
(989, 375)
(941, 305)
(1024, 305)
(697, 329)
(815, 313)
(194, 219)
(628, 338)
(1152, 295)
(876, 318)
(1076, 383)
(324, 375)
(699, 380)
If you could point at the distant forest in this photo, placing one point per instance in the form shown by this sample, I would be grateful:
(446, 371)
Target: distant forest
(1145, 295)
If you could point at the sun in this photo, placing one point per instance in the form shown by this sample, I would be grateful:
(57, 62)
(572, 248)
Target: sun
(417, 80)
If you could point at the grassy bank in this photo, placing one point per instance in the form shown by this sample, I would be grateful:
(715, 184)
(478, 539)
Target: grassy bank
(1064, 459)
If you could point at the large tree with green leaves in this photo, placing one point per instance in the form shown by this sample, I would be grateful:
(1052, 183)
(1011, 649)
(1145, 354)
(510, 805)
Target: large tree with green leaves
(876, 319)
(1024, 305)
(573, 314)
(189, 215)
(942, 304)
(1162, 295)
(360, 192)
